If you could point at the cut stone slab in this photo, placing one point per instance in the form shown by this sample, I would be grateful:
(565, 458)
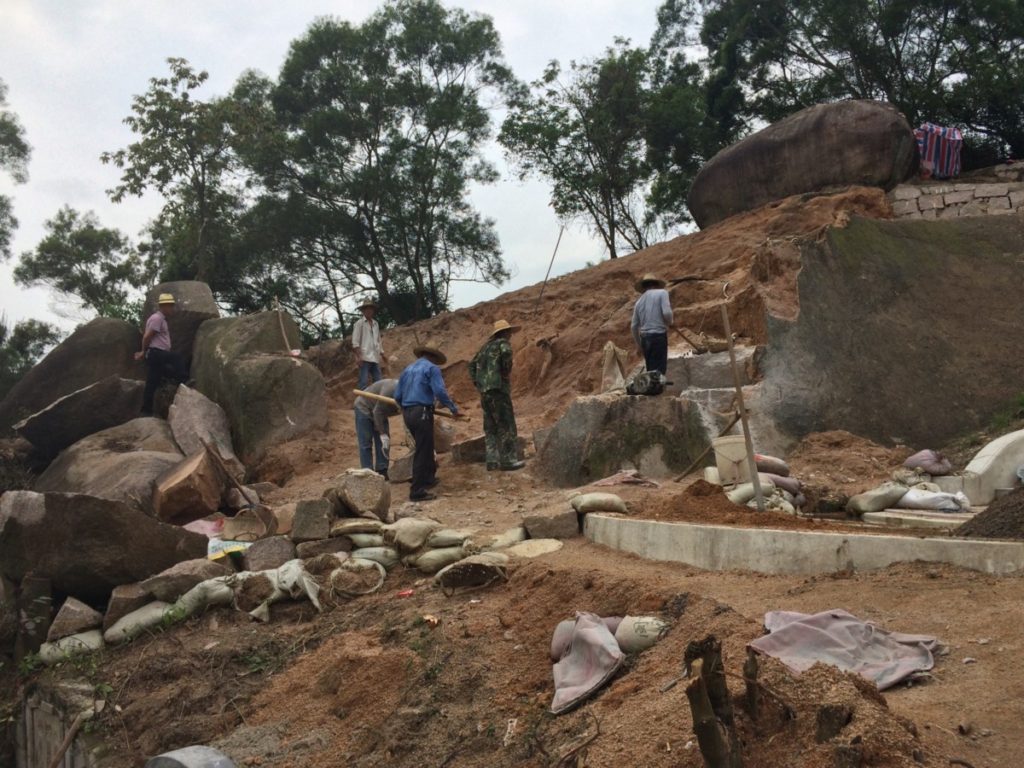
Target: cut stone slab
(400, 469)
(534, 548)
(711, 370)
(87, 546)
(120, 463)
(73, 617)
(360, 493)
(312, 521)
(195, 419)
(270, 397)
(267, 554)
(171, 584)
(123, 600)
(553, 525)
(193, 305)
(308, 549)
(285, 516)
(102, 347)
(107, 403)
(905, 518)
(190, 490)
(474, 450)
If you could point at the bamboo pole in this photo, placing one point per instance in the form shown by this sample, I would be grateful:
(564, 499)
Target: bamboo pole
(751, 462)
(392, 401)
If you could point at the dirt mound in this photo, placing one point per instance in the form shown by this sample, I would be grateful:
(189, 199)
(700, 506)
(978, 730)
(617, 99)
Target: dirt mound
(844, 462)
(1004, 519)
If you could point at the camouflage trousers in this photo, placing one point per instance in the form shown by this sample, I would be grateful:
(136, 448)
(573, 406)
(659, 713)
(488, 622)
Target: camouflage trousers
(500, 435)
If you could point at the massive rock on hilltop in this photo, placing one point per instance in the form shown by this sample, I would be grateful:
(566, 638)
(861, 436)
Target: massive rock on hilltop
(120, 463)
(107, 403)
(102, 347)
(243, 363)
(193, 305)
(829, 145)
(87, 546)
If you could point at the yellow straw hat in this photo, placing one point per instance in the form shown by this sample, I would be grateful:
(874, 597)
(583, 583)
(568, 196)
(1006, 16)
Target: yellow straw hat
(649, 279)
(166, 298)
(503, 325)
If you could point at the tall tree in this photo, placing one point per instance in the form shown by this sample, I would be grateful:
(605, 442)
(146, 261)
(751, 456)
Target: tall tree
(366, 147)
(184, 153)
(88, 263)
(14, 154)
(584, 131)
(21, 345)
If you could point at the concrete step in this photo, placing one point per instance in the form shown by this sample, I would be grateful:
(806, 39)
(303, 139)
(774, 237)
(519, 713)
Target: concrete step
(911, 518)
(711, 370)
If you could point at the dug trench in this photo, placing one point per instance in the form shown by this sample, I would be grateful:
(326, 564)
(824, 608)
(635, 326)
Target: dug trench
(466, 681)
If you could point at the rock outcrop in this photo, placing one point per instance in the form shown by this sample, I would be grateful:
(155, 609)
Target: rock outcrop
(193, 306)
(195, 419)
(102, 347)
(120, 463)
(107, 403)
(270, 397)
(828, 145)
(87, 546)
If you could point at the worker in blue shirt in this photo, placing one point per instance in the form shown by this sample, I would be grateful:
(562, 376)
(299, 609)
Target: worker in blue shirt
(419, 386)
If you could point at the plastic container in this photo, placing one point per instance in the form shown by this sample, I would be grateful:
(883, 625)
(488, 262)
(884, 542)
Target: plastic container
(731, 459)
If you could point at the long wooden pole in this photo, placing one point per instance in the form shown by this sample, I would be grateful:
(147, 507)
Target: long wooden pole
(392, 401)
(751, 461)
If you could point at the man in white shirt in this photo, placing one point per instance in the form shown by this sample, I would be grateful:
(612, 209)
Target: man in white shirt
(367, 346)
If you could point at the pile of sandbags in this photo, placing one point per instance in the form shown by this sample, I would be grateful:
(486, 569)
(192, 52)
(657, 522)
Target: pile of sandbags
(911, 488)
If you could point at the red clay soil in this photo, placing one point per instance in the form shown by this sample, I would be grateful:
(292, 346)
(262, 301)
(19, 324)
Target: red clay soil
(844, 462)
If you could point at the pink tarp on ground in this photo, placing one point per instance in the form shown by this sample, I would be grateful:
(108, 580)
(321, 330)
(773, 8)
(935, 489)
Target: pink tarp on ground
(593, 657)
(800, 640)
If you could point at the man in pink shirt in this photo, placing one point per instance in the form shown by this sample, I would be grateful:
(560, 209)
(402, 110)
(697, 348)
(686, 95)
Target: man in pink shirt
(161, 362)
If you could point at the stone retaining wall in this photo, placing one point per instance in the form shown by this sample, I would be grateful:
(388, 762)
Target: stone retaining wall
(999, 191)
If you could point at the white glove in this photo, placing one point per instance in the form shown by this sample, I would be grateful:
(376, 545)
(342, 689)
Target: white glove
(385, 443)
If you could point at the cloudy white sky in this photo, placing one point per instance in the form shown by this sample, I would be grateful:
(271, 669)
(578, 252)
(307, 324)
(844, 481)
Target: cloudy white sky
(72, 67)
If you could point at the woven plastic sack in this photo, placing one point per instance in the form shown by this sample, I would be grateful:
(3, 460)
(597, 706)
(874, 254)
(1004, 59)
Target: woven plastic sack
(386, 556)
(883, 497)
(410, 533)
(771, 465)
(598, 502)
(932, 462)
(363, 540)
(638, 633)
(593, 659)
(433, 560)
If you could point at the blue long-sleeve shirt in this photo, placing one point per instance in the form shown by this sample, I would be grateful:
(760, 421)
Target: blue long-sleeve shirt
(421, 384)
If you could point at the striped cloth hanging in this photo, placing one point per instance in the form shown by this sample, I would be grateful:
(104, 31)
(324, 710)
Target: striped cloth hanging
(939, 147)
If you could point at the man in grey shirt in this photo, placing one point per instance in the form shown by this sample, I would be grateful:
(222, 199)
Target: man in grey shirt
(652, 317)
(372, 430)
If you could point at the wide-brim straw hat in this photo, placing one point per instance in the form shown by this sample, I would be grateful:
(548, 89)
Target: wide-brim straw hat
(649, 279)
(166, 298)
(425, 350)
(503, 325)
(368, 303)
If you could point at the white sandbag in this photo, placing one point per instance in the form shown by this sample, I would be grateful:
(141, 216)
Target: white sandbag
(534, 548)
(932, 462)
(789, 484)
(775, 503)
(363, 540)
(410, 533)
(135, 623)
(386, 556)
(929, 487)
(357, 525)
(744, 492)
(503, 540)
(72, 645)
(883, 497)
(447, 537)
(940, 502)
(598, 502)
(215, 591)
(433, 560)
(771, 465)
(638, 633)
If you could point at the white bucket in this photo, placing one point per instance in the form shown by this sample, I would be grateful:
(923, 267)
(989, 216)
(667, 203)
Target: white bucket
(731, 459)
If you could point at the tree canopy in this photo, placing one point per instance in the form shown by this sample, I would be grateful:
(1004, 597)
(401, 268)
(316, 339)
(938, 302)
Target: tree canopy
(21, 346)
(14, 155)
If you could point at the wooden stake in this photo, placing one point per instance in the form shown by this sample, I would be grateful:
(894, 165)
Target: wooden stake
(750, 670)
(710, 739)
(751, 462)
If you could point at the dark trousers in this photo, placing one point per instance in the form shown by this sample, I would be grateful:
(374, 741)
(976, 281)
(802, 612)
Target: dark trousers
(655, 347)
(160, 365)
(369, 444)
(500, 434)
(420, 421)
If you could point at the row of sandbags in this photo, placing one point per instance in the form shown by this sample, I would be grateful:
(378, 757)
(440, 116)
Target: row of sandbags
(910, 488)
(781, 491)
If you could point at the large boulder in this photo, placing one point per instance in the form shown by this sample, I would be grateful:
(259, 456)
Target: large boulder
(107, 403)
(195, 419)
(599, 435)
(244, 364)
(829, 145)
(102, 347)
(190, 490)
(87, 546)
(193, 306)
(120, 463)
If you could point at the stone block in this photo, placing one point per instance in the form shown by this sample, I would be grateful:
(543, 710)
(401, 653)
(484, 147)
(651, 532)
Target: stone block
(360, 493)
(123, 600)
(267, 554)
(929, 214)
(991, 190)
(312, 520)
(73, 617)
(904, 207)
(285, 516)
(906, 192)
(400, 470)
(474, 450)
(950, 212)
(977, 208)
(332, 546)
(998, 203)
(962, 196)
(174, 582)
(928, 202)
(1017, 199)
(190, 490)
(552, 525)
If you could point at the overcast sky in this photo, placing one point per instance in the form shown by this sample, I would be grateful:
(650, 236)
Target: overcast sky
(72, 67)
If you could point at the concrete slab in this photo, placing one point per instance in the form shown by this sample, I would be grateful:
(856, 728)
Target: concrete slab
(905, 518)
(768, 550)
(994, 466)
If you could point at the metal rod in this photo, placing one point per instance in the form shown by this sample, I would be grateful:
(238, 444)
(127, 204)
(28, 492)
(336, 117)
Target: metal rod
(751, 461)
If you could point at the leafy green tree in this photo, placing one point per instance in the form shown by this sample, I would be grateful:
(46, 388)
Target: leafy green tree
(184, 153)
(93, 265)
(21, 346)
(365, 148)
(584, 132)
(14, 154)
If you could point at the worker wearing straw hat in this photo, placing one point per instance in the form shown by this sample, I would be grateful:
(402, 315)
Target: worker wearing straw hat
(652, 317)
(419, 386)
(161, 362)
(491, 372)
(367, 344)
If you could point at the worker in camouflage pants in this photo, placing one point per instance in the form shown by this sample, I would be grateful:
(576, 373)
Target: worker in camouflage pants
(491, 372)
